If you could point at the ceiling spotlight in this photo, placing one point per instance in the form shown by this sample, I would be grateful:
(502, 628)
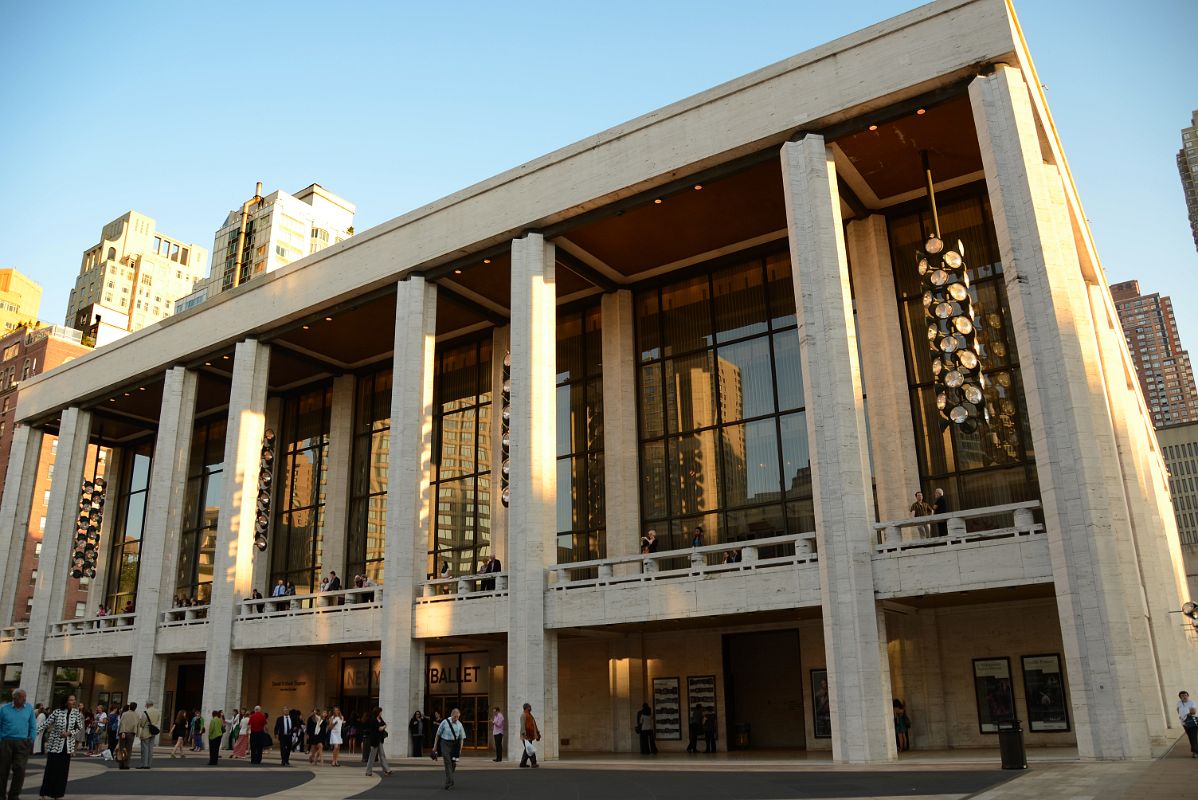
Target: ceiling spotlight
(141, 388)
(112, 399)
(486, 261)
(698, 186)
(657, 201)
(126, 394)
(873, 127)
(457, 272)
(921, 111)
(328, 319)
(207, 363)
(226, 358)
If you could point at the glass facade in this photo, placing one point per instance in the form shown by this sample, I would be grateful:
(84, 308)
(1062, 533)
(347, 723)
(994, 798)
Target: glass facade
(125, 553)
(201, 508)
(580, 481)
(461, 470)
(301, 488)
(368, 481)
(721, 411)
(995, 465)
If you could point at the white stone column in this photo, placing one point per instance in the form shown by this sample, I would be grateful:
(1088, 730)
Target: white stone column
(341, 453)
(858, 674)
(160, 535)
(621, 463)
(1103, 629)
(408, 480)
(24, 457)
(232, 571)
(74, 429)
(883, 367)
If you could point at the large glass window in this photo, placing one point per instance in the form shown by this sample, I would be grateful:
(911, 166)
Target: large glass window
(299, 519)
(722, 430)
(125, 554)
(995, 465)
(580, 514)
(461, 534)
(201, 508)
(368, 483)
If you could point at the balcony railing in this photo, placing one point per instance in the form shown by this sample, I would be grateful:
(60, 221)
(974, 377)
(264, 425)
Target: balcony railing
(750, 555)
(316, 603)
(957, 527)
(105, 624)
(184, 615)
(463, 587)
(15, 633)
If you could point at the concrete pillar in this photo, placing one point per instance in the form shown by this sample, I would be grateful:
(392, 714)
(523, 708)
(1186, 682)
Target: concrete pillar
(858, 673)
(19, 481)
(883, 367)
(408, 475)
(232, 570)
(621, 467)
(74, 429)
(531, 533)
(1101, 608)
(160, 536)
(341, 453)
(500, 341)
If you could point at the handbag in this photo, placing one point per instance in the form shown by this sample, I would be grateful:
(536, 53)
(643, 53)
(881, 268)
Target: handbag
(154, 729)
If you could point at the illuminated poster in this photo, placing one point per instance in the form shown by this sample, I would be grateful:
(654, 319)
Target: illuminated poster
(1044, 687)
(995, 694)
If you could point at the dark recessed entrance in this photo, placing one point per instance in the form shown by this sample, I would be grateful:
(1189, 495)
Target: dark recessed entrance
(763, 685)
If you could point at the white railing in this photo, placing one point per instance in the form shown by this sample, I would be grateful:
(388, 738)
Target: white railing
(314, 603)
(463, 587)
(111, 622)
(184, 615)
(752, 554)
(943, 530)
(15, 633)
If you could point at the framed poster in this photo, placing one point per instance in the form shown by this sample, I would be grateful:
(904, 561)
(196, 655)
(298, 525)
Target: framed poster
(994, 693)
(821, 723)
(667, 708)
(102, 699)
(700, 690)
(1044, 690)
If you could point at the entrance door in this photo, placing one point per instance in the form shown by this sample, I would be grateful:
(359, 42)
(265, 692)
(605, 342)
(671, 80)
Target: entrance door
(189, 689)
(763, 690)
(475, 719)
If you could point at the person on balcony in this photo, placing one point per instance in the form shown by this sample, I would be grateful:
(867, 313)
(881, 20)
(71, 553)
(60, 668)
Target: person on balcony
(491, 567)
(921, 509)
(697, 537)
(103, 611)
(649, 543)
(940, 506)
(335, 586)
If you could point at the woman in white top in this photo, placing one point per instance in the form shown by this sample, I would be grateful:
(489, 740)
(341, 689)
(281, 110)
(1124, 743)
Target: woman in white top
(39, 739)
(334, 724)
(1186, 708)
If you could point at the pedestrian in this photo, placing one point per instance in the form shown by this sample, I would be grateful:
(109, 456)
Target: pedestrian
(59, 732)
(114, 724)
(216, 732)
(530, 734)
(147, 734)
(921, 509)
(333, 726)
(374, 733)
(179, 734)
(242, 745)
(101, 727)
(197, 731)
(416, 732)
(18, 726)
(902, 725)
(694, 728)
(284, 726)
(233, 726)
(940, 506)
(351, 733)
(644, 726)
(497, 730)
(126, 733)
(450, 737)
(316, 736)
(257, 727)
(39, 740)
(89, 732)
(1187, 712)
(708, 731)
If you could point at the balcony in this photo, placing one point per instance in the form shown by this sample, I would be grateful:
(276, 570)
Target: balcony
(778, 572)
(183, 629)
(12, 649)
(981, 548)
(108, 636)
(309, 619)
(467, 605)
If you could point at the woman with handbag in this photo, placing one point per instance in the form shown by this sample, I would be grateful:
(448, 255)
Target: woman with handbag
(450, 737)
(62, 731)
(374, 733)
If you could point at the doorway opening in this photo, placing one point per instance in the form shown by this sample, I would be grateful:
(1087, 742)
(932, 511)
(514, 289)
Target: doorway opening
(763, 690)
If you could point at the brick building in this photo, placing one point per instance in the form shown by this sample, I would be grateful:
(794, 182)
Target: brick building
(1163, 366)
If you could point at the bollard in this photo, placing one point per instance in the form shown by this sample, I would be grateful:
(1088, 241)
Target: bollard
(1024, 519)
(956, 526)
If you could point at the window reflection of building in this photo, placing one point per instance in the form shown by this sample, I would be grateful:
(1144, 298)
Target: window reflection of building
(125, 555)
(461, 535)
(368, 486)
(723, 436)
(580, 482)
(298, 533)
(201, 507)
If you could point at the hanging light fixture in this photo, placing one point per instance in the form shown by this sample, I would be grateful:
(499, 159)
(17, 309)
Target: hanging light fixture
(87, 528)
(265, 479)
(505, 431)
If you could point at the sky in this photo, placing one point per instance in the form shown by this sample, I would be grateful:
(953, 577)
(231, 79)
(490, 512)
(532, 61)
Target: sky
(175, 109)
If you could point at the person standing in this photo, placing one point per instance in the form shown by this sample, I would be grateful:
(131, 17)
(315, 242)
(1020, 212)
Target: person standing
(697, 537)
(257, 727)
(233, 726)
(694, 728)
(374, 733)
(284, 726)
(197, 731)
(59, 732)
(242, 745)
(902, 726)
(644, 726)
(940, 506)
(921, 509)
(333, 726)
(39, 739)
(126, 733)
(416, 732)
(497, 728)
(1187, 712)
(450, 737)
(18, 726)
(708, 731)
(530, 734)
(147, 734)
(216, 732)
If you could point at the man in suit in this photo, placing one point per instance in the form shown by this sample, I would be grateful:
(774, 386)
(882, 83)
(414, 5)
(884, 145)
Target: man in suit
(283, 727)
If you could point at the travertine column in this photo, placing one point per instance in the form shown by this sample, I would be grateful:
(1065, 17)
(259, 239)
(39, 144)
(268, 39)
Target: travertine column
(160, 535)
(621, 471)
(23, 459)
(408, 475)
(858, 673)
(1103, 628)
(883, 367)
(54, 566)
(232, 570)
(341, 453)
(532, 651)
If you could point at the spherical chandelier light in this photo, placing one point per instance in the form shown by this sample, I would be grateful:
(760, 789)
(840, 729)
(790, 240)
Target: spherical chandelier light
(266, 460)
(505, 432)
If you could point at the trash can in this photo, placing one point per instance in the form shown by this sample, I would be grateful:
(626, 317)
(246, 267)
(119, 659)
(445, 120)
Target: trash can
(1010, 745)
(740, 734)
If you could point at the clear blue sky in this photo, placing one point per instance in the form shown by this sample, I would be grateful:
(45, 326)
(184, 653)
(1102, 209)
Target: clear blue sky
(175, 109)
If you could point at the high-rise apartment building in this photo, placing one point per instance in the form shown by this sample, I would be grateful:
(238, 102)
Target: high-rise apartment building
(1187, 165)
(278, 229)
(1164, 368)
(131, 278)
(20, 300)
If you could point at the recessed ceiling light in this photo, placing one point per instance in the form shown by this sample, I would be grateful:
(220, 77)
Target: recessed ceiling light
(141, 388)
(112, 399)
(921, 111)
(873, 127)
(126, 394)
(328, 319)
(207, 363)
(486, 261)
(657, 201)
(698, 186)
(307, 327)
(457, 272)
(226, 358)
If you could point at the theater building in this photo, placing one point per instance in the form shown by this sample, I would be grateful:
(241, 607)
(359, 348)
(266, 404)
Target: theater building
(711, 316)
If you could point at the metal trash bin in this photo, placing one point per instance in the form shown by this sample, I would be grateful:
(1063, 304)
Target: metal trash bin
(1010, 745)
(740, 734)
